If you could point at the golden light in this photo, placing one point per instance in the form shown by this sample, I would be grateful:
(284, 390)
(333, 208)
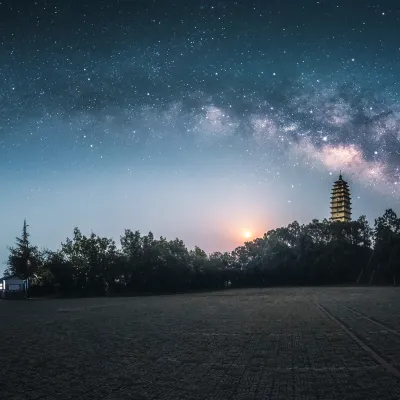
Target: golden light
(247, 235)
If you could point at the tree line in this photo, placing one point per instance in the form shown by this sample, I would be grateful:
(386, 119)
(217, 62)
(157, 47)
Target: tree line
(319, 253)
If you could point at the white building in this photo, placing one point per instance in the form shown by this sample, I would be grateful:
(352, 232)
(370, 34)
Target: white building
(12, 287)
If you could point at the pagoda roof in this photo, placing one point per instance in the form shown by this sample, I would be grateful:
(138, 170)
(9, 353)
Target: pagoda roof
(338, 199)
(340, 195)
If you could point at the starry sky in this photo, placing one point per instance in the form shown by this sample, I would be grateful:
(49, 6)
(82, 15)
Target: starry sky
(194, 119)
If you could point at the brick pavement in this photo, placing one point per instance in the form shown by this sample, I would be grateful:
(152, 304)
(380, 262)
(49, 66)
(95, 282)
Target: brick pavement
(316, 343)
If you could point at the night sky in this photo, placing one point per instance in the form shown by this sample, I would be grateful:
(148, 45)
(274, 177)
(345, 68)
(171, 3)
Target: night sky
(194, 119)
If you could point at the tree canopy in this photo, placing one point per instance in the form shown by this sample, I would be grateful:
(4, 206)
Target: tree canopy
(318, 253)
(24, 259)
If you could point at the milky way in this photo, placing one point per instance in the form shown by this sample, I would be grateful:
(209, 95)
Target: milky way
(235, 98)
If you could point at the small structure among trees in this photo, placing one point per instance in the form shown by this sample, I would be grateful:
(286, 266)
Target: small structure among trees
(11, 287)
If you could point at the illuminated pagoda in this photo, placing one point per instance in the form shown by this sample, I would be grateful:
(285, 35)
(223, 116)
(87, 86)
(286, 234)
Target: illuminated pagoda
(340, 201)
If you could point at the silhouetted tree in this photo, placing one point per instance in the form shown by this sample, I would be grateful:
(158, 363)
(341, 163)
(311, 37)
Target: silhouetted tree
(387, 247)
(321, 252)
(93, 259)
(24, 258)
(56, 273)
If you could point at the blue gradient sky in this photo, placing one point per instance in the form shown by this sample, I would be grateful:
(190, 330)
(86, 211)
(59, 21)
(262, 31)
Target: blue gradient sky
(197, 120)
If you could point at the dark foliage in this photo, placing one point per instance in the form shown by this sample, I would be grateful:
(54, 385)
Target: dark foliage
(24, 259)
(319, 253)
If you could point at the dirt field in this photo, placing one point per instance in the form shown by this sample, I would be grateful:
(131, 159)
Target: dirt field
(325, 343)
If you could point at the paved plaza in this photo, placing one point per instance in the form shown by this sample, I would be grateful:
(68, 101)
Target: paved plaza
(290, 343)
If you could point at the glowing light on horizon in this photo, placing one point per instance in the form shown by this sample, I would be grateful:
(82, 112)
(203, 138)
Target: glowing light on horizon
(247, 235)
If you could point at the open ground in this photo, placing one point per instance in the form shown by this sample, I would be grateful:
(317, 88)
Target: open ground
(292, 343)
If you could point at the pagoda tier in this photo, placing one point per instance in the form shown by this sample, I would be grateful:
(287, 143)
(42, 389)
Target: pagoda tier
(341, 190)
(337, 197)
(335, 193)
(340, 201)
(340, 211)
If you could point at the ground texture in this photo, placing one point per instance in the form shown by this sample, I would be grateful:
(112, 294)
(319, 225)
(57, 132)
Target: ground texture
(306, 343)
